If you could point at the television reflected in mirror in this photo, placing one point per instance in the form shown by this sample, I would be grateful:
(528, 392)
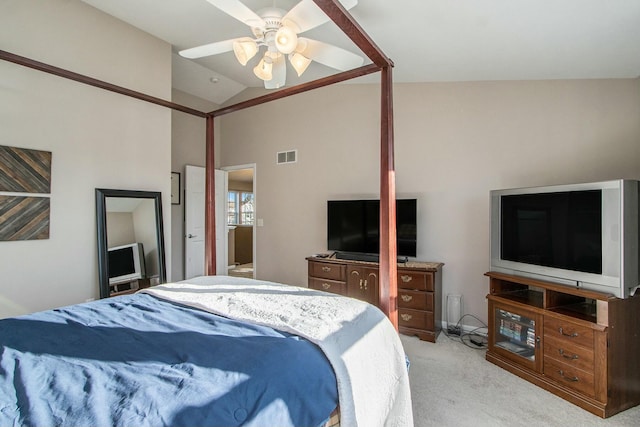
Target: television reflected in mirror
(126, 263)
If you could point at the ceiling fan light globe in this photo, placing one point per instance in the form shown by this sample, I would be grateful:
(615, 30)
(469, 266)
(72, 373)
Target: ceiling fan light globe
(263, 70)
(299, 62)
(244, 49)
(286, 40)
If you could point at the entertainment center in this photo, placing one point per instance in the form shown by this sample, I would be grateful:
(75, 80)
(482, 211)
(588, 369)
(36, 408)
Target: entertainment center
(419, 289)
(563, 302)
(578, 344)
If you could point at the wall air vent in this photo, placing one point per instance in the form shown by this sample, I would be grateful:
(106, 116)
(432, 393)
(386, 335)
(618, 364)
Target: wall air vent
(287, 157)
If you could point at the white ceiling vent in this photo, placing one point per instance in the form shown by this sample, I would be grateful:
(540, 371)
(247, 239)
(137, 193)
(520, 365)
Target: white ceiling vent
(287, 157)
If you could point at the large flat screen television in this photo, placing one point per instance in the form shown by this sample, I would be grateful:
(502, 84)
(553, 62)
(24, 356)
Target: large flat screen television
(353, 228)
(126, 263)
(583, 235)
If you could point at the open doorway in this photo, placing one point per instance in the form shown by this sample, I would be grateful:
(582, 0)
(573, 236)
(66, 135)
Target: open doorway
(241, 220)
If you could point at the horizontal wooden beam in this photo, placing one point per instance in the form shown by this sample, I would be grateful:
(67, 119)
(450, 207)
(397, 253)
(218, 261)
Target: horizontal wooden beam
(293, 90)
(61, 72)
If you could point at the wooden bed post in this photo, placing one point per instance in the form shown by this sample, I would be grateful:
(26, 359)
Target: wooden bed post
(388, 281)
(210, 202)
(388, 286)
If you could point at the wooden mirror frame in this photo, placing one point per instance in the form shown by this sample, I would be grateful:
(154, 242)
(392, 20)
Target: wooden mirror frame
(101, 217)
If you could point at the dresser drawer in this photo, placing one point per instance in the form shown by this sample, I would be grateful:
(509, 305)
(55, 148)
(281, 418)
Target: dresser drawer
(327, 270)
(568, 353)
(415, 319)
(415, 299)
(328, 286)
(408, 279)
(570, 376)
(568, 332)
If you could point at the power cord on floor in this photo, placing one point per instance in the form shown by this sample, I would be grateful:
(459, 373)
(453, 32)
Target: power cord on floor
(475, 338)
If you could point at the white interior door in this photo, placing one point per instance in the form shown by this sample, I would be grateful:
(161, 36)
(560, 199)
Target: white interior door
(194, 221)
(195, 183)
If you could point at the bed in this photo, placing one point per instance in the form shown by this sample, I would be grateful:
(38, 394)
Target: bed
(213, 350)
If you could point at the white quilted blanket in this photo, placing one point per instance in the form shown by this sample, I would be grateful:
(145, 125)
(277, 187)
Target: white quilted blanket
(358, 340)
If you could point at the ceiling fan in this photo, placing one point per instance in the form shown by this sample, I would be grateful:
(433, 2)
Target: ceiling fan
(277, 30)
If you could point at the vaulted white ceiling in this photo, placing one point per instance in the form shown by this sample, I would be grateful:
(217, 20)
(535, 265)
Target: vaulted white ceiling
(428, 40)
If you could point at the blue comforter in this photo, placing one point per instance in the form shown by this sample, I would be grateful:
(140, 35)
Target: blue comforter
(140, 361)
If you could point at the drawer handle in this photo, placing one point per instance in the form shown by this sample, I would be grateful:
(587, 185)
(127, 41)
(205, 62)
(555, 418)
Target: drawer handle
(326, 286)
(363, 284)
(406, 317)
(567, 356)
(573, 379)
(405, 278)
(406, 298)
(326, 269)
(572, 335)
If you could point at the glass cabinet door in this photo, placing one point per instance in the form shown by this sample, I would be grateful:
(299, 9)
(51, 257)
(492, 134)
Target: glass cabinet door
(516, 334)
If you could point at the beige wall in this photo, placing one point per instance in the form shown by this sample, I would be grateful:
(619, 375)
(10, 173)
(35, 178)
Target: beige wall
(240, 186)
(454, 143)
(99, 139)
(120, 230)
(188, 147)
(145, 233)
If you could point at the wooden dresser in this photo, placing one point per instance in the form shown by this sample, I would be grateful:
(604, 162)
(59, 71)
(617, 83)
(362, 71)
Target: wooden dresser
(419, 290)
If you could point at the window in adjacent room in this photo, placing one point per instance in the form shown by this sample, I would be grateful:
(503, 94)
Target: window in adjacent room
(240, 208)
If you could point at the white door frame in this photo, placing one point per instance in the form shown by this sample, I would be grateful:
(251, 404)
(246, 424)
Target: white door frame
(255, 204)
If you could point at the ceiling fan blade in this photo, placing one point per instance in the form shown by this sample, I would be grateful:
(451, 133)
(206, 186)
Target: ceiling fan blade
(279, 73)
(306, 15)
(330, 55)
(238, 10)
(208, 49)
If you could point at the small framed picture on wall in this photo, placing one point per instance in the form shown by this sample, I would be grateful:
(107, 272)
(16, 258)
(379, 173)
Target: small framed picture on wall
(175, 188)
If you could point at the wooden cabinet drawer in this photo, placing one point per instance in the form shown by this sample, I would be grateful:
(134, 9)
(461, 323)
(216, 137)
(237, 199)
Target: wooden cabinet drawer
(328, 270)
(568, 353)
(415, 299)
(419, 280)
(568, 332)
(328, 286)
(570, 376)
(415, 319)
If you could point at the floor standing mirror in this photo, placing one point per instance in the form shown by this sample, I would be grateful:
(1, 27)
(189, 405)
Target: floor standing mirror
(130, 240)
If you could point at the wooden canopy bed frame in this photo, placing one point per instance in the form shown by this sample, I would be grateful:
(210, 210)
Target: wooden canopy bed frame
(380, 62)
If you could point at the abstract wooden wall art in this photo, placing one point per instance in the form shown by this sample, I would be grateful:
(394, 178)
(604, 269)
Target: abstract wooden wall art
(22, 216)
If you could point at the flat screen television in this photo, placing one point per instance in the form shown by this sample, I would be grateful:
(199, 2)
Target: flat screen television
(583, 235)
(126, 263)
(353, 228)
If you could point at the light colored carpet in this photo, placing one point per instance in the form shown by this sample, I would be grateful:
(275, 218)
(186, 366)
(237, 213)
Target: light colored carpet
(242, 270)
(452, 385)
